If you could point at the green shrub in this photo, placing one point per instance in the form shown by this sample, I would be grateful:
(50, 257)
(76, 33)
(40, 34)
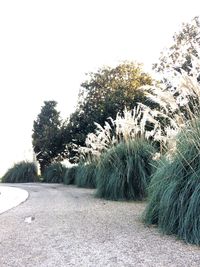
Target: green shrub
(124, 171)
(86, 175)
(54, 173)
(174, 192)
(22, 172)
(70, 174)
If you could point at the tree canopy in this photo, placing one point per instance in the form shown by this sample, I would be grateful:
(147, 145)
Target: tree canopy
(104, 94)
(179, 54)
(48, 135)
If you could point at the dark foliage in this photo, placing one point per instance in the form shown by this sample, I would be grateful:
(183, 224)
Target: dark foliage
(124, 171)
(48, 136)
(174, 192)
(70, 175)
(54, 173)
(86, 175)
(22, 172)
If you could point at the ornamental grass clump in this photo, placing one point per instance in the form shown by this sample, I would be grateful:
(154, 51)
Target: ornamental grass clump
(119, 135)
(128, 125)
(124, 171)
(86, 174)
(22, 172)
(70, 175)
(174, 191)
(54, 173)
(178, 105)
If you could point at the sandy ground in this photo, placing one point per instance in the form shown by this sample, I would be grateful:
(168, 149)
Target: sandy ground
(69, 227)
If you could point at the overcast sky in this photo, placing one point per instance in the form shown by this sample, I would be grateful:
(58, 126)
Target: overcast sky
(46, 48)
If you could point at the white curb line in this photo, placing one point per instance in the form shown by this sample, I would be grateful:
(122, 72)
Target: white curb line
(11, 197)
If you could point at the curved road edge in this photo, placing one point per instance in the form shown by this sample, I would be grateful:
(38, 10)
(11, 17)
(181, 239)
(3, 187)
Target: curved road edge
(11, 197)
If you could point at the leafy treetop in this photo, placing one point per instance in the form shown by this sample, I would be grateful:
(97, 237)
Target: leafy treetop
(104, 94)
(179, 54)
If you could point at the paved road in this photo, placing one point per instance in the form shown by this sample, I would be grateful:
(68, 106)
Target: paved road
(11, 197)
(70, 227)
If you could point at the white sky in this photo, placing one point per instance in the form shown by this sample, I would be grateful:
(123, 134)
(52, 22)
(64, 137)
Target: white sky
(46, 47)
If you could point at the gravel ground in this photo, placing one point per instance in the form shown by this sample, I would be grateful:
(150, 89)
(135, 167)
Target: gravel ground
(70, 227)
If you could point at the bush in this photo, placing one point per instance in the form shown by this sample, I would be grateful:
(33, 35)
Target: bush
(174, 192)
(70, 174)
(86, 175)
(54, 173)
(22, 172)
(124, 171)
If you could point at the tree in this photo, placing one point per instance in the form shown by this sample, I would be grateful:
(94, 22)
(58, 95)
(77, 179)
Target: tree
(182, 56)
(179, 55)
(102, 95)
(48, 135)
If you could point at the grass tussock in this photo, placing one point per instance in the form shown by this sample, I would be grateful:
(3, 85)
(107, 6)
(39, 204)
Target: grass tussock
(22, 172)
(86, 175)
(54, 173)
(174, 192)
(124, 171)
(70, 175)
